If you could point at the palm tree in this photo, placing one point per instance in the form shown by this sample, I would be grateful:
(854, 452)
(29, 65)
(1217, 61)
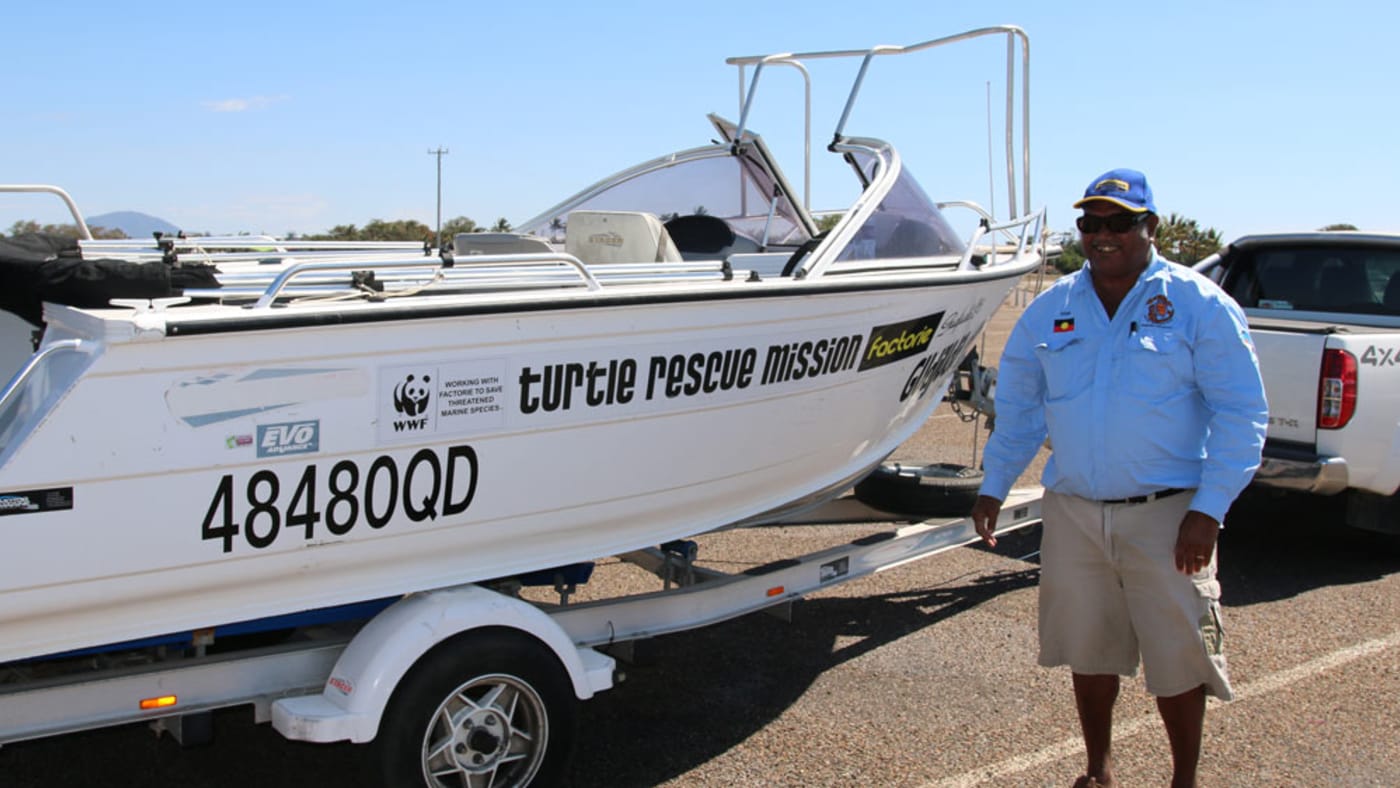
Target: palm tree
(1182, 240)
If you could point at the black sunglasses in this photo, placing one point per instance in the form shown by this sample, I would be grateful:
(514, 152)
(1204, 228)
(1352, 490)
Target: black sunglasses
(1116, 223)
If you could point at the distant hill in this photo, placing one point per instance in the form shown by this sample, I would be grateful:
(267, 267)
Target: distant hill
(133, 223)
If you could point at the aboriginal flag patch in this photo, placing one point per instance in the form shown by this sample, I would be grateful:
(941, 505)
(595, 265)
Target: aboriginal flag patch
(1064, 324)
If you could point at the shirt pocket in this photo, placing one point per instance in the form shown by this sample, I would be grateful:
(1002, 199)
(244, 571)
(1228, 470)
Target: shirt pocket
(1068, 366)
(1157, 366)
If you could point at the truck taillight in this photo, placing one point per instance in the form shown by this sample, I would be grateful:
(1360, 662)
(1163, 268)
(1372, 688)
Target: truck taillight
(1336, 395)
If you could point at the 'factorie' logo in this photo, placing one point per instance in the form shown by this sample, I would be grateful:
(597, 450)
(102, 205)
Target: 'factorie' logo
(895, 341)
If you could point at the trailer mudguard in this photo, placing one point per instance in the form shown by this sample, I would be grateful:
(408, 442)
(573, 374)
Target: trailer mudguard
(350, 705)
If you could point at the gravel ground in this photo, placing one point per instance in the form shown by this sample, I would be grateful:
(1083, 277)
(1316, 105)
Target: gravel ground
(922, 675)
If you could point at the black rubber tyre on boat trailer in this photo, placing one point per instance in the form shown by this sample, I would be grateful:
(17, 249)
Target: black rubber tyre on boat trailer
(486, 707)
(938, 490)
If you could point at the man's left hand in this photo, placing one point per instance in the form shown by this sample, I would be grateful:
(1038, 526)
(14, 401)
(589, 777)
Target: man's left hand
(1195, 542)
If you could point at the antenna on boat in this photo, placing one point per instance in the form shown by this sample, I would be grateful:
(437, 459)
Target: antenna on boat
(991, 177)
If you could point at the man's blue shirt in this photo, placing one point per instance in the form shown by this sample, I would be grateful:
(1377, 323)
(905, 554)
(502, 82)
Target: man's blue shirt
(1165, 394)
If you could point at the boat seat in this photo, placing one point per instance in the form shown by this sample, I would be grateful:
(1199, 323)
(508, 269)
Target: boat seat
(599, 237)
(468, 244)
(700, 233)
(703, 237)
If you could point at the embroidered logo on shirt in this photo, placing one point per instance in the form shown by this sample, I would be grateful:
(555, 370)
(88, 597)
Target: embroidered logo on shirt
(1160, 309)
(1064, 324)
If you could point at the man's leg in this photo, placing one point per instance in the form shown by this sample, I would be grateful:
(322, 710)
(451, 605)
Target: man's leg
(1094, 696)
(1184, 715)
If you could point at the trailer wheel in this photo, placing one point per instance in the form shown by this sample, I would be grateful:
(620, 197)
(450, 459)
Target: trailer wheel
(937, 490)
(488, 707)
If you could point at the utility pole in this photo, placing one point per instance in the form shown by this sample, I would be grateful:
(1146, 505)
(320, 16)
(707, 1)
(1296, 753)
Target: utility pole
(439, 153)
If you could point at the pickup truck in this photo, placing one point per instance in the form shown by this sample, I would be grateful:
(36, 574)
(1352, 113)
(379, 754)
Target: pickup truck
(1324, 312)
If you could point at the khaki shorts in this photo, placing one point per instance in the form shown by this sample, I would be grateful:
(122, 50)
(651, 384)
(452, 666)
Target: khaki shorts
(1110, 591)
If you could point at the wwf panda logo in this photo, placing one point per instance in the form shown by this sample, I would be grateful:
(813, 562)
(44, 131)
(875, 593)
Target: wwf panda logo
(411, 395)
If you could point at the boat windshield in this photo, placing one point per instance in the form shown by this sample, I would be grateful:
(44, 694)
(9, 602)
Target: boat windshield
(905, 224)
(710, 181)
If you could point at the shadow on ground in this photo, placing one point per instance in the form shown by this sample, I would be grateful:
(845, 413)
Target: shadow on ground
(1279, 546)
(698, 694)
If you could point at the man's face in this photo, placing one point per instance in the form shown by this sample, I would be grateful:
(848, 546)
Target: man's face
(1118, 253)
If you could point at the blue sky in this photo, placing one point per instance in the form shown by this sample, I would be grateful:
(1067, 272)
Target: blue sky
(297, 116)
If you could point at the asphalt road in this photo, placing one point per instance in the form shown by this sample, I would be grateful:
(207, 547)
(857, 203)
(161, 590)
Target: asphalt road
(923, 675)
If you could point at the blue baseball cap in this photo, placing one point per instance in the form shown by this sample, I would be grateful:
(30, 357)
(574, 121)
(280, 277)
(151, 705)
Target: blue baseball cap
(1126, 188)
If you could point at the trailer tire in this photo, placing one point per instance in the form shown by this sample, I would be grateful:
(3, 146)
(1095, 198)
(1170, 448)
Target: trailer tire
(938, 490)
(489, 706)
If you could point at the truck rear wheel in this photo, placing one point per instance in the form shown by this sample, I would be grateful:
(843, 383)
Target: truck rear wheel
(486, 708)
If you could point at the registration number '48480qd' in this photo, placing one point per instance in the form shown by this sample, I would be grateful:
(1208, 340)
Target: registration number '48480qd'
(428, 486)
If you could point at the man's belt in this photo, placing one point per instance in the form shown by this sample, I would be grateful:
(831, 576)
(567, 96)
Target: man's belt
(1160, 494)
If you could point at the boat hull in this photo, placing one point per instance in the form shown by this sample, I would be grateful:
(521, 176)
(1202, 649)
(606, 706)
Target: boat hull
(324, 465)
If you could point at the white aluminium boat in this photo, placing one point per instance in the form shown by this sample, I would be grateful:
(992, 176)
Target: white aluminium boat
(318, 425)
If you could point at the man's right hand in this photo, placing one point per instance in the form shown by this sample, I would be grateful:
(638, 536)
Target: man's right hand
(984, 518)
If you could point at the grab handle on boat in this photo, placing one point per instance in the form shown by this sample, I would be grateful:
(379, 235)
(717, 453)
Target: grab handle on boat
(278, 284)
(34, 361)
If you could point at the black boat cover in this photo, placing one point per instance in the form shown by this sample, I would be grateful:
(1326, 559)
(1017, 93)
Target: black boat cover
(39, 267)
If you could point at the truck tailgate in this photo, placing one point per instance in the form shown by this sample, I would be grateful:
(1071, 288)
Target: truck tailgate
(1291, 354)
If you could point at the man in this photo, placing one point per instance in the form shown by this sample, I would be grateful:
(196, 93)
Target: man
(1143, 376)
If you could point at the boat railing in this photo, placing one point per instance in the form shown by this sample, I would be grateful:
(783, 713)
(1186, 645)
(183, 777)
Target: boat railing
(250, 249)
(1026, 233)
(984, 217)
(245, 242)
(262, 270)
(478, 274)
(525, 261)
(1024, 290)
(41, 188)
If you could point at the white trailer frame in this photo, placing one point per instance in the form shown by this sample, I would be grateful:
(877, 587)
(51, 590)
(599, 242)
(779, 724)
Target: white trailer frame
(329, 684)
